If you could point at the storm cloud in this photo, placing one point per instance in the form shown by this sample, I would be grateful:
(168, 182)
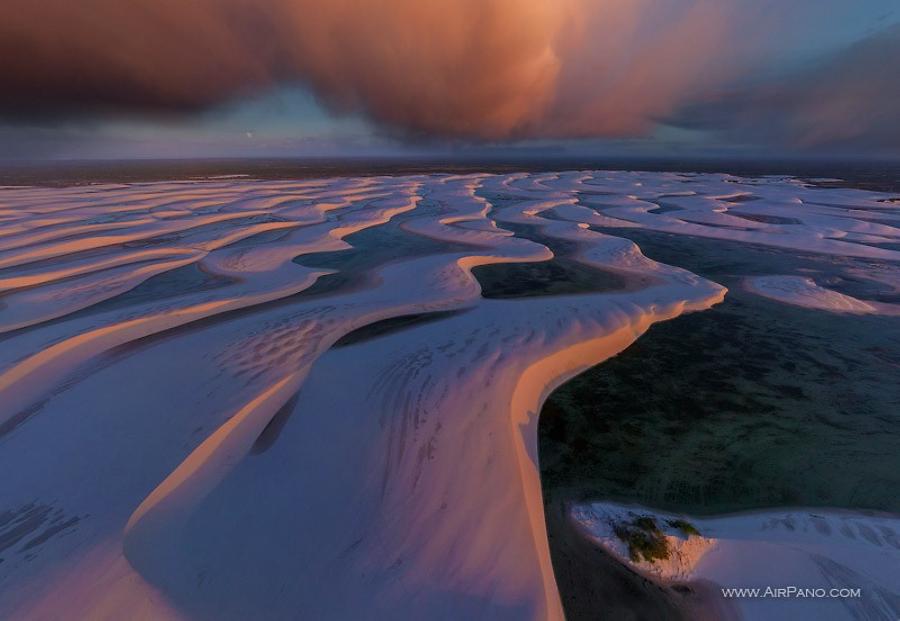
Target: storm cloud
(468, 69)
(850, 97)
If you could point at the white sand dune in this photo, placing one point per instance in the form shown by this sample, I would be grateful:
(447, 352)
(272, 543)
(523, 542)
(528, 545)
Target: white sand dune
(813, 549)
(189, 443)
(803, 291)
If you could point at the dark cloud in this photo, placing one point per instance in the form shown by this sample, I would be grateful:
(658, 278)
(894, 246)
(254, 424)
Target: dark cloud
(491, 69)
(470, 69)
(161, 56)
(850, 98)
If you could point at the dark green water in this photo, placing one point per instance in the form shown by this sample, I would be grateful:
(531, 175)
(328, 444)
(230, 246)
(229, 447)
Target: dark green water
(561, 275)
(748, 405)
(751, 404)
(558, 276)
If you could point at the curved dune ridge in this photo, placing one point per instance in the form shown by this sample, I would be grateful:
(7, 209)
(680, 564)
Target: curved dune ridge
(188, 444)
(803, 291)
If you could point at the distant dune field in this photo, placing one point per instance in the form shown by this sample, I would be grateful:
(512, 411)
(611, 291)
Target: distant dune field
(275, 399)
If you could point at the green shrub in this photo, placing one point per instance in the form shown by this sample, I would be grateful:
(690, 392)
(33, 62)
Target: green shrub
(644, 539)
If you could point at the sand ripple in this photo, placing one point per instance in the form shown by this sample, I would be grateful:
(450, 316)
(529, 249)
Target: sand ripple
(153, 333)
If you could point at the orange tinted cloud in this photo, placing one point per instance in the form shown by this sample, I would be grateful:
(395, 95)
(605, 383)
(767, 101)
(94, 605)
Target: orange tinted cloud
(474, 69)
(450, 67)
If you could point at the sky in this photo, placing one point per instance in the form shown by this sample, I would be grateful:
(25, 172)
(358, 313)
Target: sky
(406, 78)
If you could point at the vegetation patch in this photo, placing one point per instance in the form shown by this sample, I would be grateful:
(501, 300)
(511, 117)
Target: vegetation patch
(644, 539)
(687, 529)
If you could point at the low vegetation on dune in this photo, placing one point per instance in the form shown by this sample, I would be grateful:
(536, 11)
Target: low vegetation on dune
(644, 539)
